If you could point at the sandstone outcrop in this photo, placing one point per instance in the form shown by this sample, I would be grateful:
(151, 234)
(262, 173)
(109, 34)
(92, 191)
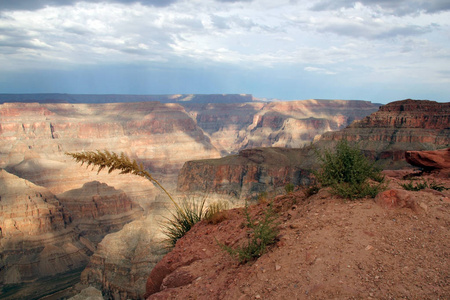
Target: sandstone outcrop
(98, 209)
(36, 239)
(398, 127)
(429, 160)
(248, 174)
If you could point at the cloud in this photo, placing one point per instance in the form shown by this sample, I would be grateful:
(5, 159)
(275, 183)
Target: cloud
(373, 30)
(398, 7)
(319, 70)
(38, 4)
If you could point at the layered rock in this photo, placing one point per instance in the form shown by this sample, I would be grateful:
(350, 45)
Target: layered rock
(36, 238)
(124, 259)
(398, 127)
(438, 160)
(248, 174)
(98, 209)
(149, 131)
(236, 126)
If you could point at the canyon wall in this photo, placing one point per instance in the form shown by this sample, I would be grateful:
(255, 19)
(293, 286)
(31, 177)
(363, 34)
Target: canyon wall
(250, 174)
(36, 238)
(236, 126)
(34, 138)
(395, 128)
(384, 135)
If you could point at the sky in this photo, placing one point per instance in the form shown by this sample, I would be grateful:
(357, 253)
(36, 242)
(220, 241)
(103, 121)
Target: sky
(376, 50)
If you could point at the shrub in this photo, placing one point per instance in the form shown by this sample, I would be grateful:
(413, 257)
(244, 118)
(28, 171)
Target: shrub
(289, 188)
(347, 171)
(262, 234)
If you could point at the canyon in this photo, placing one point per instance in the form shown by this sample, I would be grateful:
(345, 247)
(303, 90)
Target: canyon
(110, 221)
(383, 136)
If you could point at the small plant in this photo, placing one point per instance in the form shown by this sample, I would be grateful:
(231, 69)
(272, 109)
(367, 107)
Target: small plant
(438, 187)
(216, 212)
(347, 171)
(262, 197)
(185, 215)
(423, 185)
(289, 188)
(262, 234)
(312, 190)
(183, 219)
(417, 187)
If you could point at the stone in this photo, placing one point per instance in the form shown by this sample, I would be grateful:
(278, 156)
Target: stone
(429, 160)
(395, 198)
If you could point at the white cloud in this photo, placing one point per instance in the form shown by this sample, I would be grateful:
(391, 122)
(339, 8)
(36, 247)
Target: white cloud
(375, 37)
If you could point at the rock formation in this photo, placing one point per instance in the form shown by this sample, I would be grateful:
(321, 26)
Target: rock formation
(429, 160)
(98, 209)
(236, 126)
(124, 259)
(398, 127)
(248, 174)
(35, 237)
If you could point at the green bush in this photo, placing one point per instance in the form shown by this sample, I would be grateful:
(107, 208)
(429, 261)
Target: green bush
(289, 188)
(347, 171)
(262, 234)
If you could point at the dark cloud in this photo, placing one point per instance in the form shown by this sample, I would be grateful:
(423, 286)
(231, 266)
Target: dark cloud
(399, 7)
(37, 4)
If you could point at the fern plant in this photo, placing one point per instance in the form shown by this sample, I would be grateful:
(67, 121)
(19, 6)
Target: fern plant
(185, 215)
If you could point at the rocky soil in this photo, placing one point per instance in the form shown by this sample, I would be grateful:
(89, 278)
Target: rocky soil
(395, 246)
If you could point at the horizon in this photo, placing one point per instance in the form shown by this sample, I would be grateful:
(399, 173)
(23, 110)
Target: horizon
(372, 50)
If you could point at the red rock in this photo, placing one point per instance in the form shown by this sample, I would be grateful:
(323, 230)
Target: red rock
(395, 198)
(397, 127)
(430, 160)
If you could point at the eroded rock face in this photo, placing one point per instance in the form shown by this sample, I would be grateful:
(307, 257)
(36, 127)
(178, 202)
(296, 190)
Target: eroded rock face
(98, 209)
(151, 132)
(398, 127)
(36, 238)
(124, 259)
(250, 173)
(430, 160)
(236, 126)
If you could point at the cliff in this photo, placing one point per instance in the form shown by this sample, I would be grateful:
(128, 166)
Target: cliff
(236, 126)
(398, 127)
(98, 209)
(384, 135)
(36, 239)
(248, 174)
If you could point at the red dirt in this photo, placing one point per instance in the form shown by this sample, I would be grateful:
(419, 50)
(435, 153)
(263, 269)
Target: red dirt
(328, 248)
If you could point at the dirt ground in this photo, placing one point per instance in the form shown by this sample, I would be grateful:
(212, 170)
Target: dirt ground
(328, 248)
